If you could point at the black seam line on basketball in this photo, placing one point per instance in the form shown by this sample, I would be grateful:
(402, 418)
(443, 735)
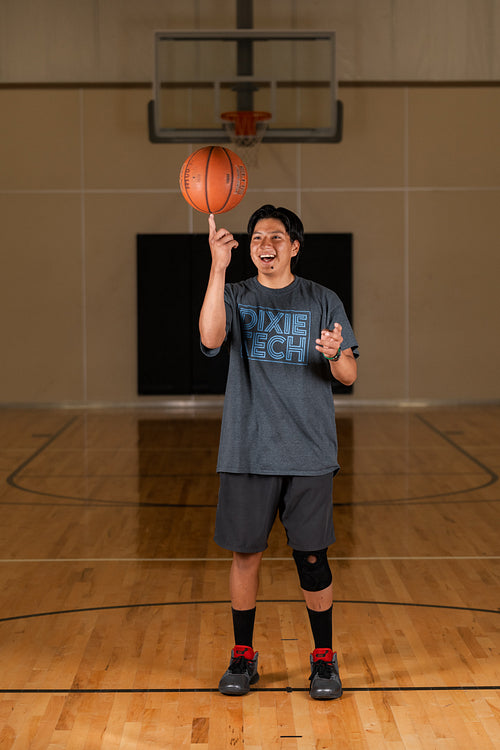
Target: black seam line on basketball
(232, 179)
(206, 178)
(287, 689)
(422, 500)
(110, 607)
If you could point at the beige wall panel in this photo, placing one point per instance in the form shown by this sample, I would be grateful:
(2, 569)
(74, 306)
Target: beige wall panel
(278, 14)
(454, 137)
(364, 34)
(95, 40)
(39, 139)
(454, 295)
(446, 40)
(52, 40)
(494, 23)
(127, 31)
(111, 40)
(112, 223)
(371, 153)
(376, 220)
(41, 299)
(214, 14)
(236, 220)
(402, 40)
(277, 167)
(118, 153)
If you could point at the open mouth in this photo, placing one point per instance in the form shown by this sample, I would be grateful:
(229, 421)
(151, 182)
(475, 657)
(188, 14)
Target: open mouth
(268, 259)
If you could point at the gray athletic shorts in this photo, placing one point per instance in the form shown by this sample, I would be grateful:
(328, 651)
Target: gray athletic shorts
(249, 503)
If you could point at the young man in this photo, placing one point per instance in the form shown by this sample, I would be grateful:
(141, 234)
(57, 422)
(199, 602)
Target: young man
(278, 449)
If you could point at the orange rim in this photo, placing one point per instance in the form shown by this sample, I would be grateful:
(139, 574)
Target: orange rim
(245, 121)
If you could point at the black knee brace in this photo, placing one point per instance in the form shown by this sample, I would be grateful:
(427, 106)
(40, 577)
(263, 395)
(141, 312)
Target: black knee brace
(313, 576)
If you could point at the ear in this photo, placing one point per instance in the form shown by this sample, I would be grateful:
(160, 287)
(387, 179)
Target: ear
(295, 247)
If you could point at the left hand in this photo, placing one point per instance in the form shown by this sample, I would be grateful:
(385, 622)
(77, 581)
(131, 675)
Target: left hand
(330, 341)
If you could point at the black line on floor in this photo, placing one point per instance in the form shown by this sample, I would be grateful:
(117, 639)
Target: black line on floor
(98, 503)
(107, 608)
(288, 689)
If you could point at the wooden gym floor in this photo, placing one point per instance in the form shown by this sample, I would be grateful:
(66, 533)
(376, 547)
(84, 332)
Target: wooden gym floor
(115, 624)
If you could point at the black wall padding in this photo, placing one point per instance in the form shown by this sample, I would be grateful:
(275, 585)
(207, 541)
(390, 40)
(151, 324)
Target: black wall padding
(172, 274)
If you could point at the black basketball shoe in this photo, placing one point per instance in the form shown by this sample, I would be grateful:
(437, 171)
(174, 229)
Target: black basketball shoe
(325, 680)
(241, 673)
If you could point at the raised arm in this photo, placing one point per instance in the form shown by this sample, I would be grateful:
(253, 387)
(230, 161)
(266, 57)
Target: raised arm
(213, 312)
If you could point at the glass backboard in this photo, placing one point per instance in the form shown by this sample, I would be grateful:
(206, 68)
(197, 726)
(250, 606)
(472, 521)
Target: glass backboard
(200, 76)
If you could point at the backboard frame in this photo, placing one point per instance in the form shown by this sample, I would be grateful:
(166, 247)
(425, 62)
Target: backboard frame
(328, 134)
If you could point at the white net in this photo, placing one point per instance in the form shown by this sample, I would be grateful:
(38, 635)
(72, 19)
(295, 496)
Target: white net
(246, 131)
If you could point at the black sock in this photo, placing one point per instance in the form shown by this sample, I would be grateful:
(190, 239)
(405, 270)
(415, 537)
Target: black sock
(243, 622)
(321, 626)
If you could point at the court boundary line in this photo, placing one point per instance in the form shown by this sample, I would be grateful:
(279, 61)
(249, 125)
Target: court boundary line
(201, 602)
(404, 501)
(287, 689)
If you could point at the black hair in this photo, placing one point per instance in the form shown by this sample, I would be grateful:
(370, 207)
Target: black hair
(291, 222)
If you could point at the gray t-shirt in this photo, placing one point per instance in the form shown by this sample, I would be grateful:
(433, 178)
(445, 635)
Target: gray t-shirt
(279, 415)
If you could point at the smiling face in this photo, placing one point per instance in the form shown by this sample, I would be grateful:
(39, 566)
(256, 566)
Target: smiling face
(271, 251)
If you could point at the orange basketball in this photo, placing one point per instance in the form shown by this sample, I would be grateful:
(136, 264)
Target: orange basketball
(213, 180)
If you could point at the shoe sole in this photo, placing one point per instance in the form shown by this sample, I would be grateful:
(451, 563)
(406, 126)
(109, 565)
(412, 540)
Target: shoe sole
(326, 697)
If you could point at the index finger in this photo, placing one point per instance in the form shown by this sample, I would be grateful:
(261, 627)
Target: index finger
(211, 225)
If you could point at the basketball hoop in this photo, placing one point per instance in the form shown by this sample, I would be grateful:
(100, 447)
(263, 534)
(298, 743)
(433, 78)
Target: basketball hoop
(246, 129)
